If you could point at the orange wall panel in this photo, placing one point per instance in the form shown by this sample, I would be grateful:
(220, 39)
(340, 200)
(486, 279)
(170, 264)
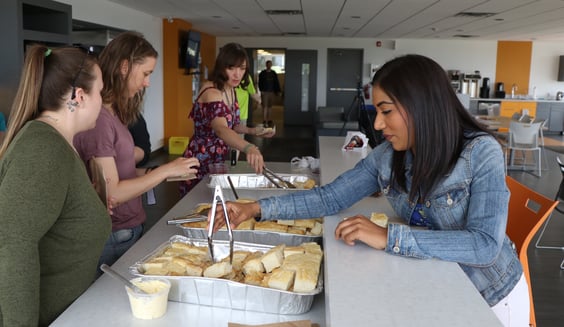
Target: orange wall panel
(513, 65)
(177, 84)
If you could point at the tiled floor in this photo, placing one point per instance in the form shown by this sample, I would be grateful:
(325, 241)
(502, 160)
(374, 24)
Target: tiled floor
(547, 278)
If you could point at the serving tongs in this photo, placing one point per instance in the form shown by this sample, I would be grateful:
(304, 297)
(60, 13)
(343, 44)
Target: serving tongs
(218, 196)
(276, 180)
(195, 216)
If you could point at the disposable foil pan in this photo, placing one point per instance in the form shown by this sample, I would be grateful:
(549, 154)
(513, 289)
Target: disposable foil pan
(254, 181)
(229, 294)
(252, 186)
(253, 236)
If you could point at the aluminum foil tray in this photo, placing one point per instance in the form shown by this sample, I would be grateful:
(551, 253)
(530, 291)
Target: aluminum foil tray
(254, 181)
(229, 294)
(253, 236)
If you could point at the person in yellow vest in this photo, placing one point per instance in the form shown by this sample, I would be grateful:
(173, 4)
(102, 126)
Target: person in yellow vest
(244, 92)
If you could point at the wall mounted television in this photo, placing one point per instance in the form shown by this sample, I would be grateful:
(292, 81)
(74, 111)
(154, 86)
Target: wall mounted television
(189, 51)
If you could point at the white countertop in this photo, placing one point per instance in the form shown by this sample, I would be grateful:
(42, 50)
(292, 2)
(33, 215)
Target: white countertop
(367, 287)
(518, 99)
(363, 286)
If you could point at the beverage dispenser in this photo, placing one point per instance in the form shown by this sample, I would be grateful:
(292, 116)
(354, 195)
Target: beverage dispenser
(473, 81)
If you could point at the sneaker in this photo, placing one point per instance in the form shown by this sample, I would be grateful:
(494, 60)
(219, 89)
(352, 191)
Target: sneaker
(270, 124)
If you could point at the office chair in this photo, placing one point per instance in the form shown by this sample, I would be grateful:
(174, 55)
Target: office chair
(523, 137)
(528, 210)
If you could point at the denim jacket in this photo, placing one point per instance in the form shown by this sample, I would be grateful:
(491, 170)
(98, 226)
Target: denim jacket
(467, 212)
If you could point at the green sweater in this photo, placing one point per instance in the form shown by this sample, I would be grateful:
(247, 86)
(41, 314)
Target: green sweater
(53, 227)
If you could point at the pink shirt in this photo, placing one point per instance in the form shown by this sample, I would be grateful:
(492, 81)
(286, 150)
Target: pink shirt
(111, 138)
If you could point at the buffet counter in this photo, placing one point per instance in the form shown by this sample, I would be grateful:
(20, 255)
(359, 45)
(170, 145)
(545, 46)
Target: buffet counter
(362, 287)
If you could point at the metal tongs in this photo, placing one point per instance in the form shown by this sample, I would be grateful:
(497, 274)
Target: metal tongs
(218, 196)
(272, 177)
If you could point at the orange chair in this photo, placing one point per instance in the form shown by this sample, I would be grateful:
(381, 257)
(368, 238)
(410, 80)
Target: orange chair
(528, 210)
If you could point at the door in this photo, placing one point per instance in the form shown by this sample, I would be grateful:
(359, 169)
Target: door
(300, 87)
(344, 80)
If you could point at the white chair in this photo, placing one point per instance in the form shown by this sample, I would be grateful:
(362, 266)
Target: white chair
(524, 137)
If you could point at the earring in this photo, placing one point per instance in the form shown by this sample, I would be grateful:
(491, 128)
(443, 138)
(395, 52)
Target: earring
(71, 105)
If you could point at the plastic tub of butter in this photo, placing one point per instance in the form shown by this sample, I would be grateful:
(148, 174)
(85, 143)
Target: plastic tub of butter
(153, 304)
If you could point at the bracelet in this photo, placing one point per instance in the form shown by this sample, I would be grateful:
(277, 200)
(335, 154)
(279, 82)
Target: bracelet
(248, 147)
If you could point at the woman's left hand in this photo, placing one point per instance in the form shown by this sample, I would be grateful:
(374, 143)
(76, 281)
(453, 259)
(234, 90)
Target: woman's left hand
(360, 228)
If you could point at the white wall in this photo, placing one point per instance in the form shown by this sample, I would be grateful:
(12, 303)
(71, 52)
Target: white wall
(110, 14)
(464, 55)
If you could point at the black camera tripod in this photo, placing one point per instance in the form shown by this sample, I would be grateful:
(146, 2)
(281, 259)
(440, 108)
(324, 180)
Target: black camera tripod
(365, 120)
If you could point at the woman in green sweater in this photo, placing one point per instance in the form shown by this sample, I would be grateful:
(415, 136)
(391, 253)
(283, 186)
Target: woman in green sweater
(54, 225)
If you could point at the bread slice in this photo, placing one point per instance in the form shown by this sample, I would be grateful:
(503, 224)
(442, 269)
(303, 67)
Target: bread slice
(156, 271)
(290, 250)
(156, 263)
(317, 229)
(297, 230)
(271, 226)
(254, 279)
(306, 266)
(289, 222)
(281, 279)
(313, 248)
(307, 223)
(273, 258)
(191, 269)
(248, 224)
(380, 219)
(252, 264)
(189, 248)
(238, 259)
(305, 280)
(218, 270)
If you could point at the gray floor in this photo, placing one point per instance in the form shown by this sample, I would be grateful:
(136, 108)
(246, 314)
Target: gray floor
(547, 278)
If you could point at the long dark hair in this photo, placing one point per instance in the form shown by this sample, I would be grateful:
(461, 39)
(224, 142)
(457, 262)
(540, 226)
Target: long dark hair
(46, 81)
(230, 55)
(435, 115)
(133, 47)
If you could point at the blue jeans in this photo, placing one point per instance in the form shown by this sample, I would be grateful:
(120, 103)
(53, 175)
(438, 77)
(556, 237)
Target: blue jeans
(117, 244)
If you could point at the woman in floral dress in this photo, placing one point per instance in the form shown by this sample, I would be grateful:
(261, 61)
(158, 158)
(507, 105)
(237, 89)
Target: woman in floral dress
(216, 117)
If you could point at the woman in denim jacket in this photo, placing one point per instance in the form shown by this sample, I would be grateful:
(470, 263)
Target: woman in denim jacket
(440, 170)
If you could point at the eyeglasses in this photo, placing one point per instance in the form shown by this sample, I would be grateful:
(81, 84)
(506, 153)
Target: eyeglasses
(87, 51)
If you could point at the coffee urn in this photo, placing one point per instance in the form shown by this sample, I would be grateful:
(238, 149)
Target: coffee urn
(485, 89)
(473, 80)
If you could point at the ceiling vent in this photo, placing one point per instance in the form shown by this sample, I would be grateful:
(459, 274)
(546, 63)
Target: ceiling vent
(283, 12)
(474, 14)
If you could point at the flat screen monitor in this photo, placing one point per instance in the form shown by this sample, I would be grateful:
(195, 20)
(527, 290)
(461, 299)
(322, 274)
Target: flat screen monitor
(192, 51)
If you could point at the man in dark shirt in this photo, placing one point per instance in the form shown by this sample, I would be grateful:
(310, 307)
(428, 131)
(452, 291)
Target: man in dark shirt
(269, 87)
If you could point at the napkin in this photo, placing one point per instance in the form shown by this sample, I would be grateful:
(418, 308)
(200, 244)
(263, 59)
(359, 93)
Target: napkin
(355, 141)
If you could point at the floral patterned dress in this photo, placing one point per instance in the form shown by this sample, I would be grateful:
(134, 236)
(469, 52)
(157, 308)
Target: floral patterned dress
(205, 145)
